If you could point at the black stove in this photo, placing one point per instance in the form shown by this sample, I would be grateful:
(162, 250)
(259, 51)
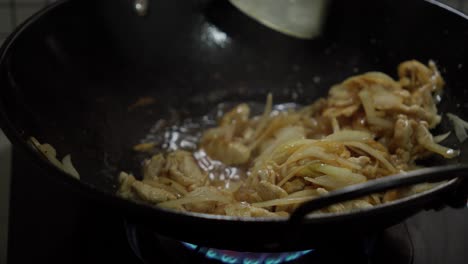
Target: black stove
(49, 224)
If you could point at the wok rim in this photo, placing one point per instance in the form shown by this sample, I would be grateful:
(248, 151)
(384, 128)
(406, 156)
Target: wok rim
(87, 189)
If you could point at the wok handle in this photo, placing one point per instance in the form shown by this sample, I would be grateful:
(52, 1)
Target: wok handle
(433, 174)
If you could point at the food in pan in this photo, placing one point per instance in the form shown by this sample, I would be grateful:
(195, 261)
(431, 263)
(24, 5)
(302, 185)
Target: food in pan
(369, 126)
(50, 154)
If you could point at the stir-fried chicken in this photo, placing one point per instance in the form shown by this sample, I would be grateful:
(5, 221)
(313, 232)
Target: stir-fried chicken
(369, 126)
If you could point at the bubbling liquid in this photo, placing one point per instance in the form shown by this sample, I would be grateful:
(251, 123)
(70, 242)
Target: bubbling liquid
(185, 134)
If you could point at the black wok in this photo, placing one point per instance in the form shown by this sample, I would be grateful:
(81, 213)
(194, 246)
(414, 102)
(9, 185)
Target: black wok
(69, 74)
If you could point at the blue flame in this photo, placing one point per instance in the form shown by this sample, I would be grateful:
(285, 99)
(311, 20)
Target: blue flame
(233, 257)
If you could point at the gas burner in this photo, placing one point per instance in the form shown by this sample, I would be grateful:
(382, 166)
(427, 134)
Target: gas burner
(393, 245)
(235, 257)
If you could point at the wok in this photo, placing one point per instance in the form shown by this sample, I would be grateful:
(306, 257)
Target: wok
(69, 74)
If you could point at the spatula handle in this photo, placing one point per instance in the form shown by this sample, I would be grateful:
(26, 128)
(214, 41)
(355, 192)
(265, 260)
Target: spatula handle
(433, 174)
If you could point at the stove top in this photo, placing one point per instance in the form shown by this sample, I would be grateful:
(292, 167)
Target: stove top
(391, 246)
(49, 224)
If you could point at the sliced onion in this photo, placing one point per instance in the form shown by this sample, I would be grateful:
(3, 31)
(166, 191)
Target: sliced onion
(336, 177)
(51, 154)
(459, 126)
(424, 138)
(374, 153)
(283, 201)
(369, 109)
(308, 152)
(291, 175)
(349, 135)
(266, 113)
(68, 166)
(442, 137)
(303, 193)
(335, 124)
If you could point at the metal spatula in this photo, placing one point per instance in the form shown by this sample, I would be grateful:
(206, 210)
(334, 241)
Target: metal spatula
(298, 18)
